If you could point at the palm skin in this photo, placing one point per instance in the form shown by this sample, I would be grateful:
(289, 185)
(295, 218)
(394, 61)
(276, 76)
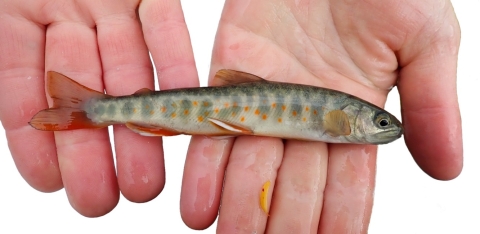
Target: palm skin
(359, 47)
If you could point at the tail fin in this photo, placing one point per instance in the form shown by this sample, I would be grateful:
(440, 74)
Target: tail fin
(67, 112)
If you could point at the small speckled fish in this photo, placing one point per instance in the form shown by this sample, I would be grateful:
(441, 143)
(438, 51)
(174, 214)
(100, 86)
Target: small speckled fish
(244, 105)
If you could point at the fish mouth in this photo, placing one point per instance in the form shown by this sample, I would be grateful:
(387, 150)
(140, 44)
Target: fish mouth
(387, 136)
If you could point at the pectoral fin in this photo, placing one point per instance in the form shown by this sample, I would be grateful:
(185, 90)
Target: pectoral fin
(230, 128)
(151, 130)
(336, 123)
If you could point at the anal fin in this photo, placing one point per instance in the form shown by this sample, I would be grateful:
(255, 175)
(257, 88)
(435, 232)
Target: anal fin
(151, 130)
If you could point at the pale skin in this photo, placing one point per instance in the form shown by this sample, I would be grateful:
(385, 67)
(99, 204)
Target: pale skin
(360, 47)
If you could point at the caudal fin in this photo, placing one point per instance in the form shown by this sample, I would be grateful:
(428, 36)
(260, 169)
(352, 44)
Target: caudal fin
(67, 112)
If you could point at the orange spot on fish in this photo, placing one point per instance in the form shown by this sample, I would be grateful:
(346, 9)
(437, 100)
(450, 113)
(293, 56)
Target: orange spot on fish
(234, 113)
(226, 105)
(315, 112)
(304, 119)
(257, 111)
(284, 107)
(235, 104)
(279, 120)
(134, 110)
(200, 118)
(307, 109)
(174, 104)
(174, 115)
(152, 112)
(274, 105)
(246, 108)
(242, 119)
(206, 104)
(163, 109)
(294, 113)
(264, 117)
(185, 112)
(195, 103)
(216, 110)
(147, 107)
(206, 113)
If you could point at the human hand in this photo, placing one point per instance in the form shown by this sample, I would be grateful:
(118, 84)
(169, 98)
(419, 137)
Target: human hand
(102, 45)
(360, 47)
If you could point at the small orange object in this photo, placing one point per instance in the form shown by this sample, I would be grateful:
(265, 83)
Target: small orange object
(264, 197)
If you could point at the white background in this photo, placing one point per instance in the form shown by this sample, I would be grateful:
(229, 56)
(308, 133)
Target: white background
(406, 199)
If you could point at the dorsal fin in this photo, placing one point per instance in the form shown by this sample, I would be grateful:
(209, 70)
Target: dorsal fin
(143, 91)
(232, 77)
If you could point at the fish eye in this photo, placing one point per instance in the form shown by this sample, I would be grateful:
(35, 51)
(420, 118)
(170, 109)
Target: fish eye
(384, 122)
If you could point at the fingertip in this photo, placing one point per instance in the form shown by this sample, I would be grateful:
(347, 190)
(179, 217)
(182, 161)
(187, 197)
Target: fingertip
(140, 165)
(203, 180)
(434, 139)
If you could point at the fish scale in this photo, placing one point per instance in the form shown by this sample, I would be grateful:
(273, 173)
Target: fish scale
(246, 105)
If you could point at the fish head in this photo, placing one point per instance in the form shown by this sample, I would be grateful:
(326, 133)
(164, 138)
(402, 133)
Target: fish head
(376, 126)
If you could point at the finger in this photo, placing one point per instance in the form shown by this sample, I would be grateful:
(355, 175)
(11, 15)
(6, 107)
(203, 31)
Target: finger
(203, 180)
(84, 156)
(430, 112)
(298, 195)
(348, 200)
(127, 68)
(253, 161)
(167, 38)
(22, 94)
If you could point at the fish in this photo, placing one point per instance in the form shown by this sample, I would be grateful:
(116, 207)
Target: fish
(242, 104)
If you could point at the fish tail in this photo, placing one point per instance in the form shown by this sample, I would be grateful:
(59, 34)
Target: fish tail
(67, 112)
